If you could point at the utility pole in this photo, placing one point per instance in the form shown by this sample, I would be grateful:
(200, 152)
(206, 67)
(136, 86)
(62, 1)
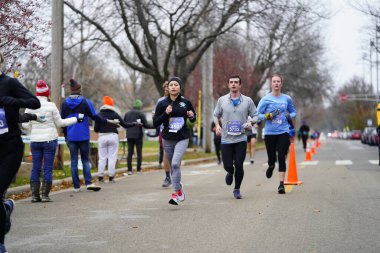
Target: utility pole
(57, 62)
(207, 98)
(57, 51)
(370, 62)
(377, 65)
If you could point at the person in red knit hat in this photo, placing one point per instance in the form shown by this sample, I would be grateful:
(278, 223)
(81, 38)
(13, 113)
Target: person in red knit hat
(44, 141)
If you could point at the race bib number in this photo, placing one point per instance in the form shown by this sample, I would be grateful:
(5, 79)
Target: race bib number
(175, 124)
(234, 127)
(277, 120)
(3, 122)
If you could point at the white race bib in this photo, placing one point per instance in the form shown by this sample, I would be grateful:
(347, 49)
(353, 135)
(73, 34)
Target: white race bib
(3, 122)
(176, 124)
(234, 127)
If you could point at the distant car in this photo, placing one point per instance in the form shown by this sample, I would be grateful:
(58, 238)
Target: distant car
(356, 135)
(366, 134)
(373, 138)
(334, 134)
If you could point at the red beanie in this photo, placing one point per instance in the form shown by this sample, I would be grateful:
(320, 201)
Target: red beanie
(42, 89)
(108, 100)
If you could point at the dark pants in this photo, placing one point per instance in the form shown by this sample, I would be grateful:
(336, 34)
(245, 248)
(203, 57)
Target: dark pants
(84, 149)
(161, 155)
(218, 143)
(233, 159)
(304, 141)
(277, 144)
(43, 153)
(11, 152)
(131, 145)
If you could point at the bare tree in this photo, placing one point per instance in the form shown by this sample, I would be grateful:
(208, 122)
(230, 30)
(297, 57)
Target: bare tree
(20, 28)
(171, 34)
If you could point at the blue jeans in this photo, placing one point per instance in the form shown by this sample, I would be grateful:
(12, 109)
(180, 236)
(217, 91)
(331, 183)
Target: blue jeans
(43, 152)
(84, 148)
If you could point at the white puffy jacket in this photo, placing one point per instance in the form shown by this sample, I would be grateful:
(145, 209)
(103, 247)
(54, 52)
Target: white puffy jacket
(46, 131)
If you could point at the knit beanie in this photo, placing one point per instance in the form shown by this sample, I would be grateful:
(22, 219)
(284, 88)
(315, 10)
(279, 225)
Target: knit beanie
(42, 89)
(137, 104)
(107, 101)
(75, 87)
(175, 78)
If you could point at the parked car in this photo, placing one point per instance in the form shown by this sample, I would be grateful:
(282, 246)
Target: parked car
(373, 138)
(366, 134)
(356, 135)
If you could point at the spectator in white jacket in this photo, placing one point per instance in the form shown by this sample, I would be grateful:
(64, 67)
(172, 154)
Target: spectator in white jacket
(44, 141)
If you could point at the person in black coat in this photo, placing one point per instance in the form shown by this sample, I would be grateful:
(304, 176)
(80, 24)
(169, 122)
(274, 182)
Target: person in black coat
(13, 96)
(135, 134)
(108, 140)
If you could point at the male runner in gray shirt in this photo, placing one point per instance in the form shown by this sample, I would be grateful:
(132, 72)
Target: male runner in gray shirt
(233, 109)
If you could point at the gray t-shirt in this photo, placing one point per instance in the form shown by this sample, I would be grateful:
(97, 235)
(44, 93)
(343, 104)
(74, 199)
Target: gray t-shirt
(233, 117)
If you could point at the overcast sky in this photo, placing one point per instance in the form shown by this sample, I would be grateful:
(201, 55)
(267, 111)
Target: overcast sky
(346, 40)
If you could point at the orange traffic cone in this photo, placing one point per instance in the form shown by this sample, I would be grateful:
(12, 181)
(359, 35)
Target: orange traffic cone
(318, 143)
(313, 148)
(292, 170)
(30, 154)
(308, 152)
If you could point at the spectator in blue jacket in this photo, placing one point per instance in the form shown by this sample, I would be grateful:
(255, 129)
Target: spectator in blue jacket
(78, 135)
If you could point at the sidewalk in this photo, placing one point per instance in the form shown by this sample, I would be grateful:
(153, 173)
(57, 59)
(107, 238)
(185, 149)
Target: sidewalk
(66, 181)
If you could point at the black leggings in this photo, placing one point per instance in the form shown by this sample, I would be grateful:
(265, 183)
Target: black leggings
(233, 159)
(217, 143)
(277, 144)
(11, 152)
(131, 144)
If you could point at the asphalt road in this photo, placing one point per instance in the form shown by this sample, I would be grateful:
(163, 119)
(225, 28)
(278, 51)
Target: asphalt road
(337, 209)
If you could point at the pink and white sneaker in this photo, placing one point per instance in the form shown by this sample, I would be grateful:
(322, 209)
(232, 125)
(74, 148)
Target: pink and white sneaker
(178, 196)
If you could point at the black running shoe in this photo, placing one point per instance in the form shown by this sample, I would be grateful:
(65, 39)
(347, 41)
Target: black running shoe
(270, 171)
(281, 189)
(229, 179)
(9, 205)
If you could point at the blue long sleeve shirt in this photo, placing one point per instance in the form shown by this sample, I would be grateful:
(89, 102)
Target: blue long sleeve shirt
(269, 104)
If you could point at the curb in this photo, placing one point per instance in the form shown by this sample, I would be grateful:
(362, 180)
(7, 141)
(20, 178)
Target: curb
(26, 188)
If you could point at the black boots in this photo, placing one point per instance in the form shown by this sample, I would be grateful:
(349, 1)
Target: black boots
(46, 186)
(35, 188)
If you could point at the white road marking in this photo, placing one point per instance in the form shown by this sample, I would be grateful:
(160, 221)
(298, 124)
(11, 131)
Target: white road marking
(375, 162)
(309, 163)
(343, 162)
(200, 172)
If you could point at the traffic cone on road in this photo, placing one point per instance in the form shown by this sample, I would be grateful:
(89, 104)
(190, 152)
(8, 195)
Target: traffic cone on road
(313, 148)
(30, 154)
(292, 168)
(318, 143)
(308, 156)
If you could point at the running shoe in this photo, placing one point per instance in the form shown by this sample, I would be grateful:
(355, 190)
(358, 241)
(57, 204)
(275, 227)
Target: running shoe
(270, 171)
(3, 249)
(281, 189)
(181, 194)
(167, 182)
(130, 172)
(229, 179)
(237, 194)
(173, 199)
(9, 205)
(93, 187)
